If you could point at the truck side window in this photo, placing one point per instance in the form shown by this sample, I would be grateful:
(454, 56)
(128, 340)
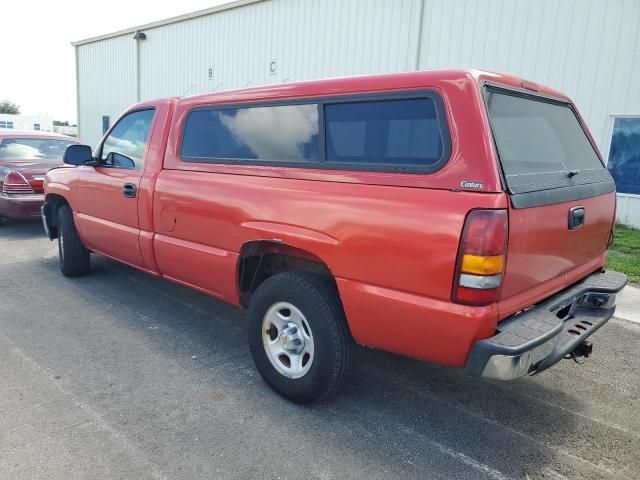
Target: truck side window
(386, 132)
(279, 133)
(126, 144)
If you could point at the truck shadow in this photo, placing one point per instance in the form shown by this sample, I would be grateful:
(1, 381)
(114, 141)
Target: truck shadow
(397, 418)
(21, 229)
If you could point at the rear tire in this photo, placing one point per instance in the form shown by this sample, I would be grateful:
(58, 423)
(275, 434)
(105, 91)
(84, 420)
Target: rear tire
(298, 336)
(74, 257)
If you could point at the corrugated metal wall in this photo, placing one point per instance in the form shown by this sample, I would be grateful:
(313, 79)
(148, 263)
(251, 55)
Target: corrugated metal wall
(589, 49)
(305, 38)
(106, 83)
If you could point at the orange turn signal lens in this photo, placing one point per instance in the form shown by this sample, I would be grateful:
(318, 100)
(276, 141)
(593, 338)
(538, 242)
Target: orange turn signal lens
(482, 265)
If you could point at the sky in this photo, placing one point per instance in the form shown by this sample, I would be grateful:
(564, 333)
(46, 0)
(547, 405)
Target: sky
(37, 61)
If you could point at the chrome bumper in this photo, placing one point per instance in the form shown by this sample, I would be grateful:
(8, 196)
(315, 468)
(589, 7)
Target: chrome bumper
(538, 338)
(20, 206)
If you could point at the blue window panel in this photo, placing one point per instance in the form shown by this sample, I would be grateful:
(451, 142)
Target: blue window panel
(389, 132)
(624, 155)
(105, 124)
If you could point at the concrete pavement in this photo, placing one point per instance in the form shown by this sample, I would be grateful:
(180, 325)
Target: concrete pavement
(120, 375)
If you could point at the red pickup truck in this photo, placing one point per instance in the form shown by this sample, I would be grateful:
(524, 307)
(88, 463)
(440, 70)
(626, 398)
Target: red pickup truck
(458, 217)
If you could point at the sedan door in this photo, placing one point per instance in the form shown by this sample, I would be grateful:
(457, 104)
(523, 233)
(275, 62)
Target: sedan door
(108, 193)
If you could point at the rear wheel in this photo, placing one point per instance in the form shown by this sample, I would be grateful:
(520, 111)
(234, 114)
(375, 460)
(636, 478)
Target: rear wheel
(298, 336)
(74, 257)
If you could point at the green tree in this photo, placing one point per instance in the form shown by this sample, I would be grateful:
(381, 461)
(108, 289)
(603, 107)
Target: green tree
(7, 106)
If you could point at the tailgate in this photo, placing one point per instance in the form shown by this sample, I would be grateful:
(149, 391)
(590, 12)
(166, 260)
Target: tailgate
(562, 198)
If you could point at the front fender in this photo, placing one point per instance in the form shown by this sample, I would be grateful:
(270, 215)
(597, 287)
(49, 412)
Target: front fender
(62, 182)
(59, 189)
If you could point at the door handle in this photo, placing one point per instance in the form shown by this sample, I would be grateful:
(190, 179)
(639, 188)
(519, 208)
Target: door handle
(576, 218)
(129, 190)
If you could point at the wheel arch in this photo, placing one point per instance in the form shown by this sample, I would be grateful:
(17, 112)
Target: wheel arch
(261, 259)
(52, 204)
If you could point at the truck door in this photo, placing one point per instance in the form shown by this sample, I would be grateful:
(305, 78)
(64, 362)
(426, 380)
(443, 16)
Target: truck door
(108, 193)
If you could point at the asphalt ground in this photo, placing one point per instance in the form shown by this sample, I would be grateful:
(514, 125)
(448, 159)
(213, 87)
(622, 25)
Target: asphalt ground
(120, 375)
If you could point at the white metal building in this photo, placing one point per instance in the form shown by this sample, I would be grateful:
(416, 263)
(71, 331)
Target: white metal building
(589, 49)
(26, 122)
(69, 130)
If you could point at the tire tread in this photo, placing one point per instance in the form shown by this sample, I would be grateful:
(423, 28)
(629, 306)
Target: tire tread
(76, 259)
(317, 285)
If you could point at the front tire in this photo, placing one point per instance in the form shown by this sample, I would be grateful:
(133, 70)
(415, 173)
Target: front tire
(298, 336)
(74, 257)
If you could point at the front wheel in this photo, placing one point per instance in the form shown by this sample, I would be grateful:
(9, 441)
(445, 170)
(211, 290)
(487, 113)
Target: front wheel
(74, 257)
(298, 336)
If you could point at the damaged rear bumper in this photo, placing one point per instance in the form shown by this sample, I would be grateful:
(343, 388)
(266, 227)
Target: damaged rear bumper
(536, 339)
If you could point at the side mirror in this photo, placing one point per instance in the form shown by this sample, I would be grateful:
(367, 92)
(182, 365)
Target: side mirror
(77, 155)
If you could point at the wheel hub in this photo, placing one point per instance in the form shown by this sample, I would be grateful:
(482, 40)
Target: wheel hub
(291, 338)
(288, 340)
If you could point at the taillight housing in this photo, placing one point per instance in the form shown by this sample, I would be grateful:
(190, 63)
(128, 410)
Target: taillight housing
(482, 257)
(14, 182)
(613, 225)
(37, 184)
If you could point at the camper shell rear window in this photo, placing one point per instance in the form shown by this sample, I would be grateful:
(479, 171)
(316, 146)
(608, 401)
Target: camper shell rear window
(541, 143)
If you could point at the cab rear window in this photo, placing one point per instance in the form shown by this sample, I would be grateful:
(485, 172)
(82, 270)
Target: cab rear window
(540, 142)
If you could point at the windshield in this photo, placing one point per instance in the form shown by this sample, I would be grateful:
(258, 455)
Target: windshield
(540, 142)
(32, 148)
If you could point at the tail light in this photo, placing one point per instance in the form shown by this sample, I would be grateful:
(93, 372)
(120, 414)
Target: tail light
(613, 225)
(481, 258)
(14, 182)
(37, 184)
